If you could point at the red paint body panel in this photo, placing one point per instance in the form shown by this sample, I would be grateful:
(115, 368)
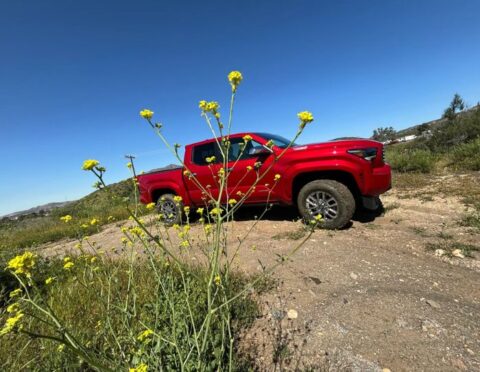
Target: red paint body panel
(372, 178)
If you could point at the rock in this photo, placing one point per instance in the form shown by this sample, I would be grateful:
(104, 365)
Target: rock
(433, 304)
(458, 253)
(353, 276)
(386, 370)
(292, 314)
(439, 252)
(458, 363)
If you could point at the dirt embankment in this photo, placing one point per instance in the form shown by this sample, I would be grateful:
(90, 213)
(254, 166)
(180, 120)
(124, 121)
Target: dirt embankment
(389, 293)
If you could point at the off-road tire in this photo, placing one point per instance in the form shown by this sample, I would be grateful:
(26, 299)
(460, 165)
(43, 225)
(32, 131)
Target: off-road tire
(342, 195)
(168, 200)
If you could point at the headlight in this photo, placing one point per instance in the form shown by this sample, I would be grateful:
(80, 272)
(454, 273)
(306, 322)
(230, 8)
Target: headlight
(368, 154)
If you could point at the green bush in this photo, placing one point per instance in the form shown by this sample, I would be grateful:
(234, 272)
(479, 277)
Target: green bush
(466, 156)
(410, 160)
(114, 310)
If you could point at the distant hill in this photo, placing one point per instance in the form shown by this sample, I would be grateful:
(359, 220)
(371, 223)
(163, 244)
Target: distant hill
(122, 188)
(434, 123)
(41, 209)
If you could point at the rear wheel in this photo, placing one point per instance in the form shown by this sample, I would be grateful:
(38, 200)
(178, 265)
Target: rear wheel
(331, 199)
(170, 209)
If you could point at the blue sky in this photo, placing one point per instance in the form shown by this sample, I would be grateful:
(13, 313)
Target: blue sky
(74, 74)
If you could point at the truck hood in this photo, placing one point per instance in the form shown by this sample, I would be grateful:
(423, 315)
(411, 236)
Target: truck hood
(353, 143)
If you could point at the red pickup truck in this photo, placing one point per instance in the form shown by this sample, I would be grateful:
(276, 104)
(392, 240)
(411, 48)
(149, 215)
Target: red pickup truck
(331, 179)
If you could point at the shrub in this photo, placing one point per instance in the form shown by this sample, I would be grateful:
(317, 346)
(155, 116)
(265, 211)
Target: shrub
(466, 156)
(408, 160)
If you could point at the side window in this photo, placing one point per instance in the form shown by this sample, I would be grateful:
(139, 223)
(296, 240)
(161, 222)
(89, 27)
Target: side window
(201, 152)
(236, 149)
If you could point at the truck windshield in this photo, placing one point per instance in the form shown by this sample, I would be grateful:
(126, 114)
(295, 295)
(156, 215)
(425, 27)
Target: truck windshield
(277, 140)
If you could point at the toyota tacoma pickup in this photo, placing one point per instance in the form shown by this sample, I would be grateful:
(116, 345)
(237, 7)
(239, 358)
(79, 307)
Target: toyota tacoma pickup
(330, 179)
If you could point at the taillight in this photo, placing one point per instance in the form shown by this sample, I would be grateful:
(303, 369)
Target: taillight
(369, 153)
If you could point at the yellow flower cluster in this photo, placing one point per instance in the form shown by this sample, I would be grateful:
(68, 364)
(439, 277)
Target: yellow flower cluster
(186, 210)
(235, 78)
(232, 202)
(305, 118)
(216, 212)
(142, 367)
(177, 199)
(136, 231)
(277, 177)
(22, 264)
(150, 206)
(68, 264)
(12, 321)
(210, 159)
(89, 164)
(221, 172)
(211, 106)
(247, 137)
(49, 280)
(145, 335)
(94, 221)
(200, 210)
(15, 293)
(129, 165)
(146, 114)
(67, 218)
(217, 280)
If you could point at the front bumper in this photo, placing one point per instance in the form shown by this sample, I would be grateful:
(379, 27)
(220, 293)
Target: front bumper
(379, 181)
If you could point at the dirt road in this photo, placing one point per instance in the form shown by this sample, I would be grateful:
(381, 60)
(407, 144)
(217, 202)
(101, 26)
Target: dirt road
(377, 295)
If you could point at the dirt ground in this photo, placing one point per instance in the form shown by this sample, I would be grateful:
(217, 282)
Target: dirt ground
(366, 298)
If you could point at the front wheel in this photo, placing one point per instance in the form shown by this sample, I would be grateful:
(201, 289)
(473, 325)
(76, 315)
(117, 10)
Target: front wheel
(170, 209)
(331, 199)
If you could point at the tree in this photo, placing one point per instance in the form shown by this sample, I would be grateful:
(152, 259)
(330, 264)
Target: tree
(384, 134)
(422, 128)
(456, 106)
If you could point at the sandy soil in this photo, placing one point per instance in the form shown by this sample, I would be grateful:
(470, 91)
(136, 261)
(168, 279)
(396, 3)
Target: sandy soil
(366, 298)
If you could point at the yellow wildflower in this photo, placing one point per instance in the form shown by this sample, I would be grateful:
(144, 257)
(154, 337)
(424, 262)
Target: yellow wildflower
(13, 308)
(216, 212)
(11, 323)
(221, 173)
(186, 210)
(185, 244)
(49, 280)
(187, 173)
(269, 144)
(277, 177)
(136, 231)
(68, 265)
(235, 78)
(90, 164)
(124, 240)
(143, 336)
(305, 118)
(67, 218)
(200, 210)
(150, 206)
(207, 229)
(110, 218)
(249, 167)
(142, 367)
(146, 114)
(84, 226)
(22, 264)
(93, 259)
(210, 159)
(247, 138)
(212, 106)
(217, 280)
(318, 217)
(177, 199)
(15, 293)
(202, 105)
(257, 164)
(60, 348)
(129, 165)
(232, 202)
(94, 221)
